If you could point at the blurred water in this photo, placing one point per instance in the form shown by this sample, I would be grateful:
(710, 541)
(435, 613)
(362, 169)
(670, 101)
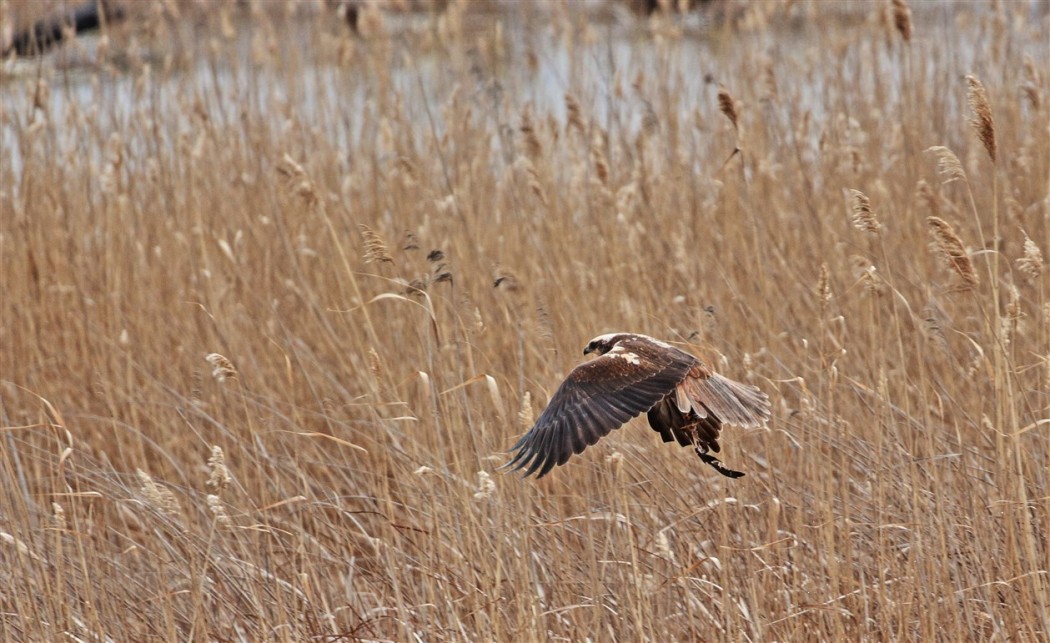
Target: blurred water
(539, 68)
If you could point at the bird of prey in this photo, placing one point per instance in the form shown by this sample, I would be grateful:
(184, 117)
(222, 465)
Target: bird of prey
(683, 398)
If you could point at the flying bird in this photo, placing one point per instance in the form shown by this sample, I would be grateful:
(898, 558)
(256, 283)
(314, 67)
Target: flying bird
(683, 399)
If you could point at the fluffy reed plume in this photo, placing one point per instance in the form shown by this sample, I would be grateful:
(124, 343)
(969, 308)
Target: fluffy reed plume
(375, 364)
(158, 496)
(409, 241)
(873, 282)
(948, 245)
(861, 214)
(1013, 311)
(933, 326)
(369, 21)
(650, 121)
(1046, 357)
(222, 368)
(19, 545)
(727, 106)
(627, 199)
(525, 415)
(978, 364)
(769, 81)
(601, 164)
(439, 269)
(218, 474)
(544, 325)
(663, 546)
(42, 96)
(486, 486)
(575, 114)
(533, 148)
(218, 510)
(1031, 262)
(948, 165)
(505, 279)
(375, 248)
(929, 197)
(532, 178)
(414, 287)
(867, 275)
(58, 517)
(824, 289)
(1032, 83)
(981, 121)
(1011, 321)
(902, 19)
(296, 181)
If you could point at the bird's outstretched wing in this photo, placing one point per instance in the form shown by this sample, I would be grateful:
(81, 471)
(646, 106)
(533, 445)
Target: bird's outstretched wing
(597, 397)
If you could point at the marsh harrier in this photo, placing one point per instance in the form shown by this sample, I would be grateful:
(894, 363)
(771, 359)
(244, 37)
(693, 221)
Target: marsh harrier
(683, 398)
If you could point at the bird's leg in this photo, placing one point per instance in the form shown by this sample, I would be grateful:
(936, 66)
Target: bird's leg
(701, 451)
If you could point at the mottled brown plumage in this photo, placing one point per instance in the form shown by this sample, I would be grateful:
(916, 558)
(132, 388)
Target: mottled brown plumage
(685, 401)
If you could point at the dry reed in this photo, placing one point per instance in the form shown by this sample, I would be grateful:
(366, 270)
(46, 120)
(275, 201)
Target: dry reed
(981, 121)
(902, 19)
(948, 245)
(400, 232)
(861, 214)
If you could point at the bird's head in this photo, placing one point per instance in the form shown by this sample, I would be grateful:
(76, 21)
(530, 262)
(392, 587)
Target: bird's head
(602, 344)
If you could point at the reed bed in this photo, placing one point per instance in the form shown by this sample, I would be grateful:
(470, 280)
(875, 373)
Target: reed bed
(278, 295)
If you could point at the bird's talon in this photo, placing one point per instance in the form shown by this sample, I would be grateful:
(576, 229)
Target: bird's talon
(717, 464)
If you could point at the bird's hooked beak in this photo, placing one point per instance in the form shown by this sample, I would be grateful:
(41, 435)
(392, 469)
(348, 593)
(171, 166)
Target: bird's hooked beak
(589, 349)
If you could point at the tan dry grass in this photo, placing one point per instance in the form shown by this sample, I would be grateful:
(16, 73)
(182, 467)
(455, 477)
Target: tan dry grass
(338, 481)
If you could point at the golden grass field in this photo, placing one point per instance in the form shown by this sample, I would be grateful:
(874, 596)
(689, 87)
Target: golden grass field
(328, 213)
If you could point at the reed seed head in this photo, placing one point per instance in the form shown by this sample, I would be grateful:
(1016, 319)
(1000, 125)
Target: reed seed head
(222, 368)
(863, 217)
(929, 197)
(1031, 262)
(948, 164)
(575, 114)
(219, 475)
(598, 158)
(375, 249)
(525, 415)
(902, 19)
(486, 486)
(58, 517)
(728, 106)
(218, 510)
(296, 182)
(159, 497)
(981, 120)
(824, 289)
(949, 247)
(533, 147)
(933, 322)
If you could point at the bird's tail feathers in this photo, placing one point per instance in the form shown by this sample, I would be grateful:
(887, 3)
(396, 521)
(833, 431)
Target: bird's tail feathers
(731, 402)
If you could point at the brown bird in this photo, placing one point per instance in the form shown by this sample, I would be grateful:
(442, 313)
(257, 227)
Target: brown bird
(683, 398)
